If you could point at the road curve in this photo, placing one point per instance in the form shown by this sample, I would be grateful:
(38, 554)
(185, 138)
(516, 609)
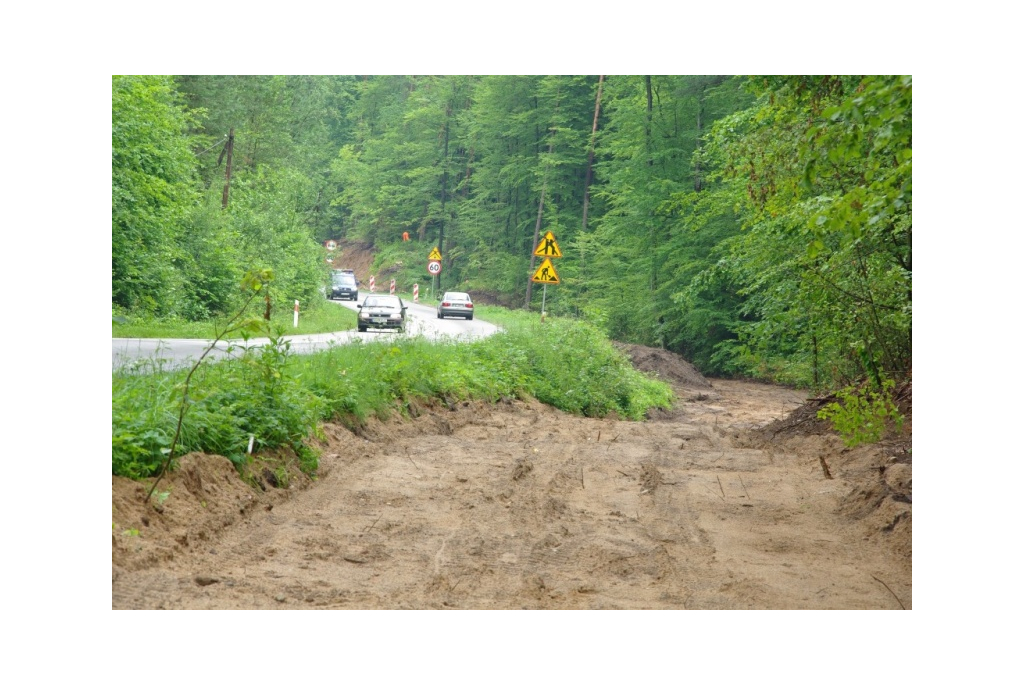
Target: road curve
(176, 352)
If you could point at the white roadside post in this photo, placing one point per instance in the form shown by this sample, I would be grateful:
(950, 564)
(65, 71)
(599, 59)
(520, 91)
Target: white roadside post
(296, 314)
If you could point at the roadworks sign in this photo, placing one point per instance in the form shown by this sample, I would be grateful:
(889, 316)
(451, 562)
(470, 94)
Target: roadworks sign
(546, 273)
(435, 254)
(548, 246)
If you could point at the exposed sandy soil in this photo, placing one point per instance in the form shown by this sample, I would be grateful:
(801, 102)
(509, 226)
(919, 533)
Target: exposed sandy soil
(356, 256)
(721, 503)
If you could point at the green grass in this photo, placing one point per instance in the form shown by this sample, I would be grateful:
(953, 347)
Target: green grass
(324, 318)
(281, 398)
(505, 318)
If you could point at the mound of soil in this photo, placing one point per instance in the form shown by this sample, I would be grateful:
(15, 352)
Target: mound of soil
(668, 366)
(801, 421)
(201, 497)
(354, 255)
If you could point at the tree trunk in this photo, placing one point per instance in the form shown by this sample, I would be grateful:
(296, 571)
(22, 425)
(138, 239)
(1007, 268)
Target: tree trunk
(647, 127)
(229, 148)
(653, 234)
(540, 214)
(697, 183)
(590, 154)
(421, 232)
(444, 192)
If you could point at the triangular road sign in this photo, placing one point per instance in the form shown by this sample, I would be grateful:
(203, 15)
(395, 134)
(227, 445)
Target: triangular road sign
(546, 273)
(548, 246)
(435, 254)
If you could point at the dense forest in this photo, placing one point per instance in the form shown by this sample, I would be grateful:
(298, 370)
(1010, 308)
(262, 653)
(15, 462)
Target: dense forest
(757, 225)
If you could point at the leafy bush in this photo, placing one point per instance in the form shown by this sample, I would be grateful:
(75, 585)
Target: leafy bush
(862, 417)
(228, 401)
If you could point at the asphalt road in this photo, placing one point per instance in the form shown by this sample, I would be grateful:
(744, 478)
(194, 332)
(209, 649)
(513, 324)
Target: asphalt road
(172, 353)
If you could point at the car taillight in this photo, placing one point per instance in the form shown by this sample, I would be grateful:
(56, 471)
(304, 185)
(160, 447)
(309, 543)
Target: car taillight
(469, 305)
(446, 304)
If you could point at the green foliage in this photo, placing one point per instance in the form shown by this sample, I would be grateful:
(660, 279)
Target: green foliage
(152, 190)
(270, 404)
(266, 214)
(863, 416)
(759, 226)
(666, 214)
(256, 394)
(177, 254)
(572, 366)
(400, 171)
(143, 420)
(281, 398)
(210, 262)
(820, 169)
(266, 399)
(866, 135)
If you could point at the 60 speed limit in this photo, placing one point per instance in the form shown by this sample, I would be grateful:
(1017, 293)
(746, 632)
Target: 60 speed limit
(433, 267)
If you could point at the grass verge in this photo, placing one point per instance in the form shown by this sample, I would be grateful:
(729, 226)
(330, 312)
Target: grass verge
(280, 399)
(327, 317)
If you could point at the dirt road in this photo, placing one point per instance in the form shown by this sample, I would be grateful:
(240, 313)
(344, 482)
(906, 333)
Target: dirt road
(723, 503)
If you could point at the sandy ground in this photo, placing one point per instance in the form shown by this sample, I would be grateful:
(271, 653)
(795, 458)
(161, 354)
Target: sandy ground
(736, 499)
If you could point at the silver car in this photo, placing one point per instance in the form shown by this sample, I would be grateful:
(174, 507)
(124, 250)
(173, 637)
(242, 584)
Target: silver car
(381, 311)
(455, 304)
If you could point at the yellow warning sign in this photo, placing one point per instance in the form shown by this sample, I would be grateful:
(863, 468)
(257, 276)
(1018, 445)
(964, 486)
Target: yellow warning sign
(434, 254)
(548, 246)
(546, 273)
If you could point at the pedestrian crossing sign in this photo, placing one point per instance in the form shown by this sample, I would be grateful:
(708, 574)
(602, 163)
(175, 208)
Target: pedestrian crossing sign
(546, 273)
(548, 246)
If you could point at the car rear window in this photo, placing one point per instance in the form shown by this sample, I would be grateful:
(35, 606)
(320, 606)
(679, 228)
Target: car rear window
(456, 296)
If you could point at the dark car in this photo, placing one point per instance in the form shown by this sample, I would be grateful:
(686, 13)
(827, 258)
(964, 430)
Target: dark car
(381, 311)
(455, 304)
(344, 286)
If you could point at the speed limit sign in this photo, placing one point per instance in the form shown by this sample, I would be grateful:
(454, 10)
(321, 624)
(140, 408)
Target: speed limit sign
(433, 267)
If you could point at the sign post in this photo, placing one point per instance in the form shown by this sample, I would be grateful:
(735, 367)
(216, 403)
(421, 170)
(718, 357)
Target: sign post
(434, 268)
(373, 287)
(296, 325)
(546, 248)
(392, 286)
(415, 292)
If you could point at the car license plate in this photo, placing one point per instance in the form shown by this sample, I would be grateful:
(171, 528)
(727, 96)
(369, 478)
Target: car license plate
(378, 319)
